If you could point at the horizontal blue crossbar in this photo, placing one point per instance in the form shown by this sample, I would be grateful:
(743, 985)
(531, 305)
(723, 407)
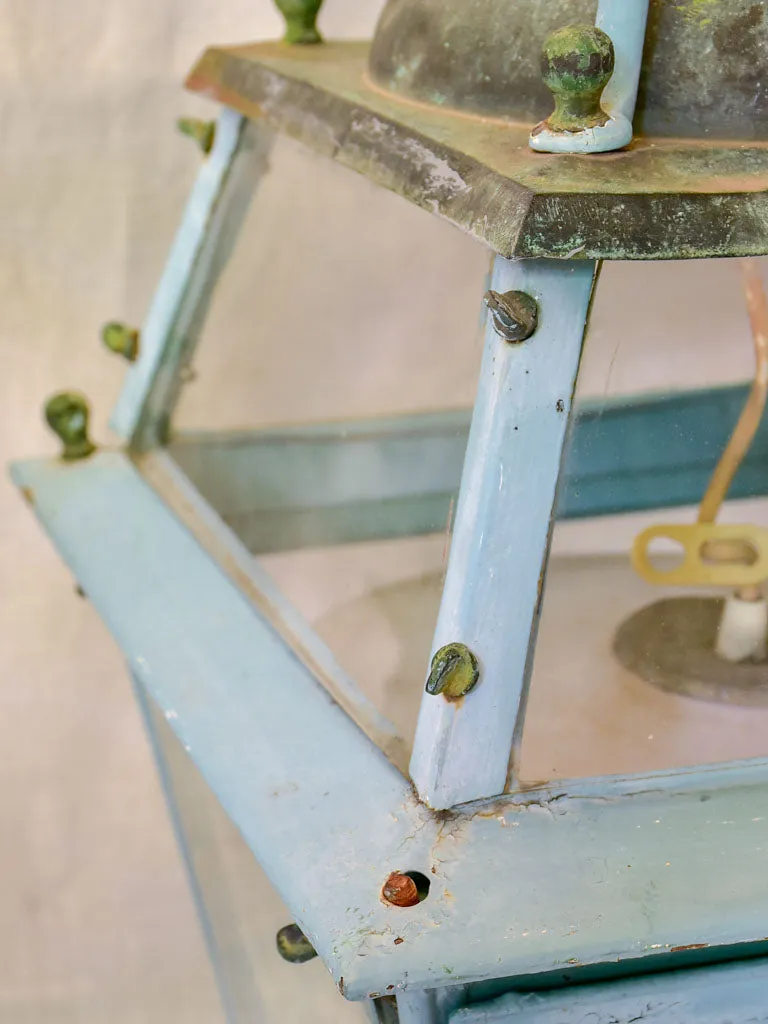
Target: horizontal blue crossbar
(353, 481)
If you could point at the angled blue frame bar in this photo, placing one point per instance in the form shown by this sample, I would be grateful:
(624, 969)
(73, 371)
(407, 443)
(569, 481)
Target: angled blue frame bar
(595, 871)
(209, 229)
(501, 537)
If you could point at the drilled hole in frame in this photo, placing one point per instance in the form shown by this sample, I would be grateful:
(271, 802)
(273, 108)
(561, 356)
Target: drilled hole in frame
(421, 882)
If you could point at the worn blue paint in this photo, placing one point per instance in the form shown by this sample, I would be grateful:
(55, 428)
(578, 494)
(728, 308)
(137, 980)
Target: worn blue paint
(727, 994)
(289, 767)
(429, 1006)
(584, 872)
(502, 532)
(211, 222)
(417, 1007)
(624, 21)
(336, 483)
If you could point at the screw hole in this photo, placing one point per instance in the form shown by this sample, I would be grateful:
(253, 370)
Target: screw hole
(421, 882)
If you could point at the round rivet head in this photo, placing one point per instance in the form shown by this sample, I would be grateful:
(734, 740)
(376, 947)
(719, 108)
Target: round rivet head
(121, 339)
(454, 672)
(67, 415)
(576, 64)
(300, 21)
(515, 315)
(400, 891)
(294, 946)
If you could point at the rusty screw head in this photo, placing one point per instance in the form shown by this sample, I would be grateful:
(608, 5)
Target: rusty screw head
(454, 672)
(400, 891)
(294, 946)
(515, 314)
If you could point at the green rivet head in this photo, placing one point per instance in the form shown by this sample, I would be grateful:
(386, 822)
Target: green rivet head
(121, 339)
(576, 64)
(300, 21)
(454, 672)
(203, 132)
(294, 946)
(67, 415)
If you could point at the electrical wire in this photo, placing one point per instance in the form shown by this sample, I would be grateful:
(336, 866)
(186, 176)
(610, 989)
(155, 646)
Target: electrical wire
(747, 426)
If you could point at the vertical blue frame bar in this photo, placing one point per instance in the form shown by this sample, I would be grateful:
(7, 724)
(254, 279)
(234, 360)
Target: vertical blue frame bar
(501, 538)
(209, 229)
(625, 22)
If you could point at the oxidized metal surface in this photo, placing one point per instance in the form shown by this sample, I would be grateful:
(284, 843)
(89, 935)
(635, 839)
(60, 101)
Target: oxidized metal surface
(454, 672)
(671, 644)
(300, 20)
(576, 65)
(67, 415)
(294, 946)
(515, 314)
(202, 132)
(659, 199)
(121, 339)
(704, 68)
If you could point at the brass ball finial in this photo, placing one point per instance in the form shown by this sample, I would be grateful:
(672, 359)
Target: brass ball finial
(577, 63)
(300, 20)
(67, 415)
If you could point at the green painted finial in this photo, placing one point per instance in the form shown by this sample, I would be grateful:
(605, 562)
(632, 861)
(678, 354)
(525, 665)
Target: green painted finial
(67, 415)
(121, 339)
(203, 132)
(576, 64)
(294, 946)
(300, 20)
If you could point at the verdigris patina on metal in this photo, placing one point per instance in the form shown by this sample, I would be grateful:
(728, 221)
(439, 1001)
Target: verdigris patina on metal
(67, 415)
(121, 339)
(661, 198)
(300, 20)
(454, 672)
(703, 67)
(294, 946)
(202, 132)
(577, 63)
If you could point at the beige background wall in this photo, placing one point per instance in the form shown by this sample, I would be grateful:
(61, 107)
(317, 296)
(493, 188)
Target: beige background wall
(347, 301)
